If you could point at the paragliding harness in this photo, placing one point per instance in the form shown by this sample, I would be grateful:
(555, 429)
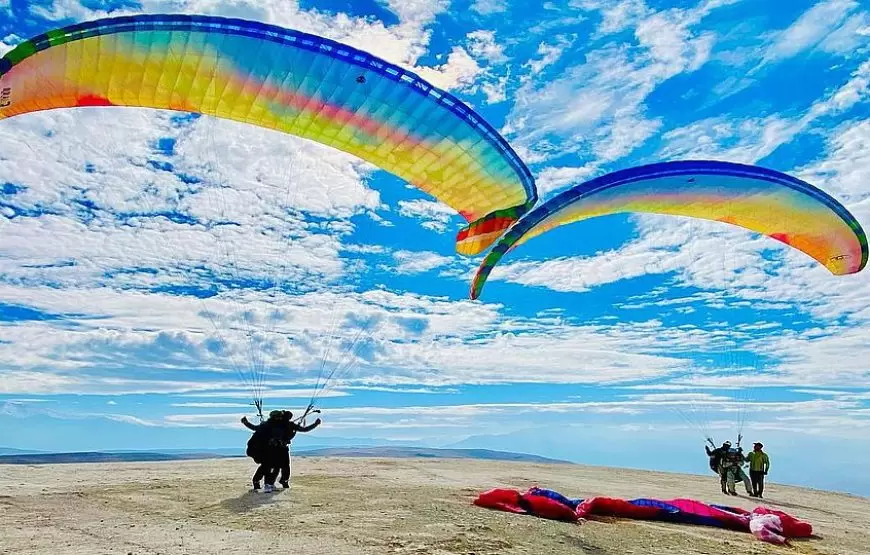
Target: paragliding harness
(263, 436)
(718, 454)
(714, 463)
(258, 442)
(715, 457)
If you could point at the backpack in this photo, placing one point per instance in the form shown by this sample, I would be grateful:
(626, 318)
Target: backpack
(715, 459)
(259, 441)
(714, 464)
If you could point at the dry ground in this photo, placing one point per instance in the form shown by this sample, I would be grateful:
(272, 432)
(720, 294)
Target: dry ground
(374, 506)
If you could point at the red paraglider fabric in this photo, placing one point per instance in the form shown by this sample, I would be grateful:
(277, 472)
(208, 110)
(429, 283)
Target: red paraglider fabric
(530, 502)
(766, 524)
(501, 500)
(791, 526)
(545, 507)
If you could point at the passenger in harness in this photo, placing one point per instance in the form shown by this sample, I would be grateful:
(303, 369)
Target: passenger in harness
(263, 447)
(717, 457)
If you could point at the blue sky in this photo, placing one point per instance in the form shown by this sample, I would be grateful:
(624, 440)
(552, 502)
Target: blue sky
(125, 321)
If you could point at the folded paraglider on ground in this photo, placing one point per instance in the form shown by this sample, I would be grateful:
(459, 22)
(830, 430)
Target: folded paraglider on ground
(766, 524)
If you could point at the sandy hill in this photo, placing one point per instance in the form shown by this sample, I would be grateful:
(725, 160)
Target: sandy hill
(344, 506)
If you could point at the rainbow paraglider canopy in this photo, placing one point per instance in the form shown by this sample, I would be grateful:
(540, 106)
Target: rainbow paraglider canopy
(288, 81)
(774, 204)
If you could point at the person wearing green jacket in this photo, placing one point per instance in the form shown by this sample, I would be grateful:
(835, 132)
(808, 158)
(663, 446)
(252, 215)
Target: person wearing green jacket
(759, 465)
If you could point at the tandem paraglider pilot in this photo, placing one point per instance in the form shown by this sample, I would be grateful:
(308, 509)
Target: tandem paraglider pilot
(269, 446)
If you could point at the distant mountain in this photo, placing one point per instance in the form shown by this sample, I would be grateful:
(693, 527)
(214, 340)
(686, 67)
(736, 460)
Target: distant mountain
(315, 442)
(177, 455)
(101, 457)
(424, 452)
(10, 451)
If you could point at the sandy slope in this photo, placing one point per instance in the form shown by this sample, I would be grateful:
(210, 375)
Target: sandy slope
(350, 506)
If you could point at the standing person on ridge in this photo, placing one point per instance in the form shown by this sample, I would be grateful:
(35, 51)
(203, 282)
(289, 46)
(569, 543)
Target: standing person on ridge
(733, 462)
(739, 473)
(728, 474)
(263, 448)
(759, 465)
(289, 429)
(730, 462)
(717, 460)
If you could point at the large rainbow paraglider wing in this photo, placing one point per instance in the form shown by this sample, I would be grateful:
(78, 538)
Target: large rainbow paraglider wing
(286, 80)
(759, 199)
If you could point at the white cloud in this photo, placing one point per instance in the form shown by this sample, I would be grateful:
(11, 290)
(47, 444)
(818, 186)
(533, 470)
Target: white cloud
(402, 44)
(8, 43)
(837, 356)
(420, 11)
(211, 405)
(715, 413)
(364, 249)
(129, 419)
(617, 15)
(103, 160)
(852, 39)
(274, 391)
(692, 252)
(551, 180)
(489, 7)
(21, 410)
(460, 71)
(292, 172)
(415, 340)
(750, 140)
(495, 91)
(410, 262)
(68, 9)
(810, 29)
(278, 189)
(435, 215)
(549, 54)
(597, 108)
(404, 390)
(483, 44)
(35, 383)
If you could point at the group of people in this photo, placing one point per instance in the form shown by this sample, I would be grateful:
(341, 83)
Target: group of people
(269, 446)
(728, 462)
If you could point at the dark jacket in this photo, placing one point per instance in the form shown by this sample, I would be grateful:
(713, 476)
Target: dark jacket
(268, 434)
(290, 429)
(716, 456)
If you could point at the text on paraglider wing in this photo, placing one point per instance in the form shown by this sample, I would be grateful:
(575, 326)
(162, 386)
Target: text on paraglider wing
(5, 97)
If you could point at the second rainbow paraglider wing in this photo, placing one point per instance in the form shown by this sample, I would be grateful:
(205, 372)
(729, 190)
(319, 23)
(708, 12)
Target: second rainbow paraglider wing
(759, 199)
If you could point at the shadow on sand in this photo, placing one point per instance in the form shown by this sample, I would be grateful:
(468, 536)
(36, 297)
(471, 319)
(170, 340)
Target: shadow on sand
(776, 504)
(249, 500)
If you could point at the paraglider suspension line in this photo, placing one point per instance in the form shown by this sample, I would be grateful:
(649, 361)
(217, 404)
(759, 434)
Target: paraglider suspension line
(309, 410)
